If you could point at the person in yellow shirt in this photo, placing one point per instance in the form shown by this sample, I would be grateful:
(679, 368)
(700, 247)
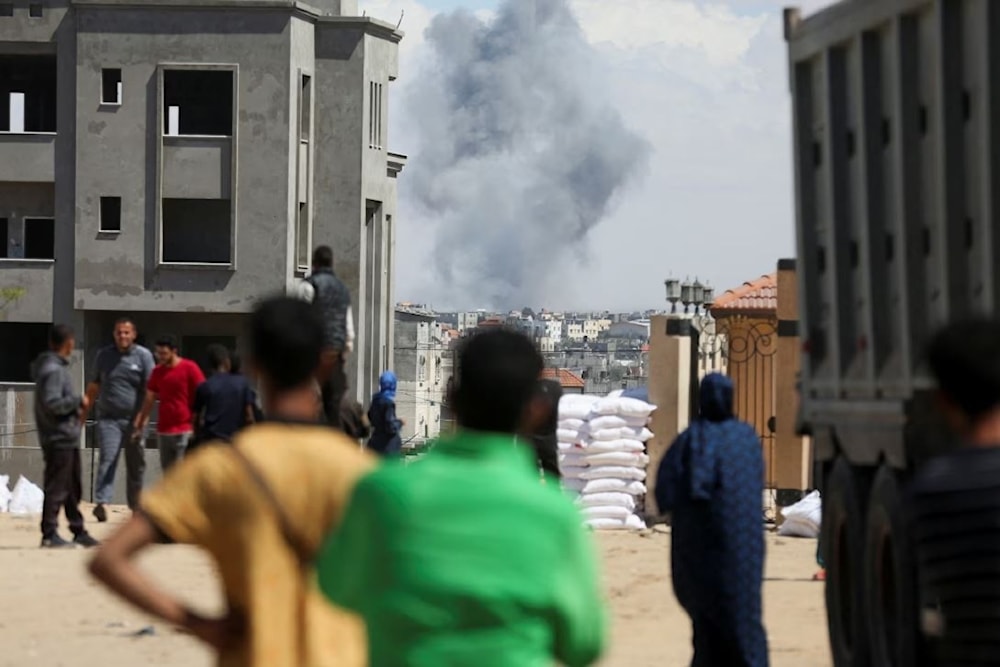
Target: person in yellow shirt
(261, 507)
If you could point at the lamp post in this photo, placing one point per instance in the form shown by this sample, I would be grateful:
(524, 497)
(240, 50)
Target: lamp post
(687, 296)
(697, 295)
(673, 293)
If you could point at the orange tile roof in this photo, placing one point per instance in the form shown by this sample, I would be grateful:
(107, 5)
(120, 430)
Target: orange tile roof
(755, 296)
(567, 379)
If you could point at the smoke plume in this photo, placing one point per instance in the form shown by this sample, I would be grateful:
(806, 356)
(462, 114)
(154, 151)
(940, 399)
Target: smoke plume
(521, 153)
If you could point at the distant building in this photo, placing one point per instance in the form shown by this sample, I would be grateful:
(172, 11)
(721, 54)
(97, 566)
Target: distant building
(468, 321)
(633, 330)
(573, 331)
(422, 365)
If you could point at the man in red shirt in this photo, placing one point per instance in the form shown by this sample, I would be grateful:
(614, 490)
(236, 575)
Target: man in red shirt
(173, 382)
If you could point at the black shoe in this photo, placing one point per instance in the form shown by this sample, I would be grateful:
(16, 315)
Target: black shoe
(85, 540)
(56, 542)
(100, 513)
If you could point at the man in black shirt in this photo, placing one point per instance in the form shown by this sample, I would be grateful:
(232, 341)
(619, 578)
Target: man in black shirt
(956, 502)
(224, 403)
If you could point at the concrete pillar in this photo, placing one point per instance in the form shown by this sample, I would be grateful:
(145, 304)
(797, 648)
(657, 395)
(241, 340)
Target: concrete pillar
(669, 389)
(792, 465)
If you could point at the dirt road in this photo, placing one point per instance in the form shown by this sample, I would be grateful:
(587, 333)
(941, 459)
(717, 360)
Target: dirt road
(53, 615)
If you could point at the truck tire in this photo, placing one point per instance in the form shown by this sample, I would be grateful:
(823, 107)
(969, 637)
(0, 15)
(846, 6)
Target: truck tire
(843, 547)
(890, 577)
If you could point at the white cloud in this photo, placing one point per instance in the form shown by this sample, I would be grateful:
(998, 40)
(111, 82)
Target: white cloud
(706, 84)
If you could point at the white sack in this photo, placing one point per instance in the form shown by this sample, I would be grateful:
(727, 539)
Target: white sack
(633, 459)
(567, 435)
(600, 446)
(605, 524)
(642, 434)
(572, 424)
(575, 406)
(612, 499)
(623, 407)
(573, 459)
(615, 472)
(606, 512)
(606, 422)
(804, 518)
(26, 498)
(634, 522)
(573, 472)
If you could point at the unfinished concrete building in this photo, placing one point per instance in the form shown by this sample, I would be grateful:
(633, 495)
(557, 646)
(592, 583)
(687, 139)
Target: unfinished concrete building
(176, 160)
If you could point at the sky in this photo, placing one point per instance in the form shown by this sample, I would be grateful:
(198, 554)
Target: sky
(703, 85)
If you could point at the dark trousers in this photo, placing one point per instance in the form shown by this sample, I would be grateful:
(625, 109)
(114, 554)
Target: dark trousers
(333, 385)
(63, 489)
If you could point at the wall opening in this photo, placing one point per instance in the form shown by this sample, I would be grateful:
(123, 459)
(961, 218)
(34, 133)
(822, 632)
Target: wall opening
(111, 86)
(4, 238)
(36, 10)
(21, 343)
(302, 238)
(198, 103)
(111, 214)
(6, 9)
(375, 115)
(197, 231)
(305, 109)
(39, 238)
(27, 94)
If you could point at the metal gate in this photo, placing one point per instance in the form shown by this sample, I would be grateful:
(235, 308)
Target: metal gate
(753, 344)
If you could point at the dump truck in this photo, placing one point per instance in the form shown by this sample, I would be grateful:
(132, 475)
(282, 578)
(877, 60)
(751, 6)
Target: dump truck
(896, 140)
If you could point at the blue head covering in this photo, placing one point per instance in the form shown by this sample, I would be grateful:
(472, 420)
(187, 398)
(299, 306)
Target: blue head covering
(387, 386)
(689, 468)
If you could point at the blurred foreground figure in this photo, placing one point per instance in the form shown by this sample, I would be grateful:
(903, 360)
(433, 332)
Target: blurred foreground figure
(712, 481)
(544, 438)
(463, 558)
(261, 508)
(956, 502)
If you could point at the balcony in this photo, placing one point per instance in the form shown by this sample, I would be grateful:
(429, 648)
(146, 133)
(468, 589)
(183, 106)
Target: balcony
(27, 158)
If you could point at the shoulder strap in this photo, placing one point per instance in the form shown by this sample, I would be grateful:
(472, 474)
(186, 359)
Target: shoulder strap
(304, 553)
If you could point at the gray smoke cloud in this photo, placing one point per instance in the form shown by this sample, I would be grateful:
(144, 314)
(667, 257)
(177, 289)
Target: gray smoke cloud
(521, 154)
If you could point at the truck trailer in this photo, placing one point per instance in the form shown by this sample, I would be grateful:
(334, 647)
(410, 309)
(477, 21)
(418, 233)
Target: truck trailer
(896, 108)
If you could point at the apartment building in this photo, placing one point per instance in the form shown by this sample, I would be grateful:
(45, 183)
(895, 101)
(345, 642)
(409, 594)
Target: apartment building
(423, 366)
(176, 160)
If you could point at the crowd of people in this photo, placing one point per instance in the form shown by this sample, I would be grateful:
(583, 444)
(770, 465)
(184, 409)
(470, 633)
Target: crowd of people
(335, 554)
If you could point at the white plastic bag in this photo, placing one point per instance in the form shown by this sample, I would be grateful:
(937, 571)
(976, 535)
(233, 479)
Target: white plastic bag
(4, 493)
(804, 518)
(26, 498)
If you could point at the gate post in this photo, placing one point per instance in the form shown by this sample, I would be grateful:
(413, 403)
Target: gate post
(670, 353)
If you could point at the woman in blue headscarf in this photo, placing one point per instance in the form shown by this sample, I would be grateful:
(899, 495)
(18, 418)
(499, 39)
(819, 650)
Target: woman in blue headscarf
(712, 481)
(386, 426)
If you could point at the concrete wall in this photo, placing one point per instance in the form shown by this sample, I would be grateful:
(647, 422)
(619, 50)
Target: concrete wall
(36, 277)
(28, 158)
(118, 155)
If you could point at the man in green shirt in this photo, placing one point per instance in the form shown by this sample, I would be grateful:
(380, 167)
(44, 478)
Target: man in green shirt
(464, 558)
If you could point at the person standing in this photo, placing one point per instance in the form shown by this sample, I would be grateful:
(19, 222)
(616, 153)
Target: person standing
(58, 417)
(173, 383)
(117, 391)
(261, 509)
(509, 576)
(385, 440)
(332, 300)
(223, 404)
(544, 439)
(712, 482)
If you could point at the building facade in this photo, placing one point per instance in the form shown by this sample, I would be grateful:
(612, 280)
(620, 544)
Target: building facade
(177, 160)
(423, 366)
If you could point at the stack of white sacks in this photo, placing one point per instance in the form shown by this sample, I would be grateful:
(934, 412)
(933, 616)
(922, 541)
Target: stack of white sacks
(602, 457)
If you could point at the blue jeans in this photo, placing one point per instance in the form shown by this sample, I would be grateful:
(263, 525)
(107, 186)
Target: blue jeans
(172, 447)
(114, 435)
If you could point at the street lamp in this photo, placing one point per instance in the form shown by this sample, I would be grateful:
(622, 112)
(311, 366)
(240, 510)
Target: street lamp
(673, 292)
(697, 294)
(708, 297)
(687, 298)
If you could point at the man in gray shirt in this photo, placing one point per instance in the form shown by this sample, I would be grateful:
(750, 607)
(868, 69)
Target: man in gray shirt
(117, 389)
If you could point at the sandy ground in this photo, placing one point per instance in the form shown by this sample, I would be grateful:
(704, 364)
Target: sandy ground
(52, 614)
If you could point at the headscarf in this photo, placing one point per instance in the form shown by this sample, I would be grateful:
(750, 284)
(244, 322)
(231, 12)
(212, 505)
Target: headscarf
(690, 463)
(387, 386)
